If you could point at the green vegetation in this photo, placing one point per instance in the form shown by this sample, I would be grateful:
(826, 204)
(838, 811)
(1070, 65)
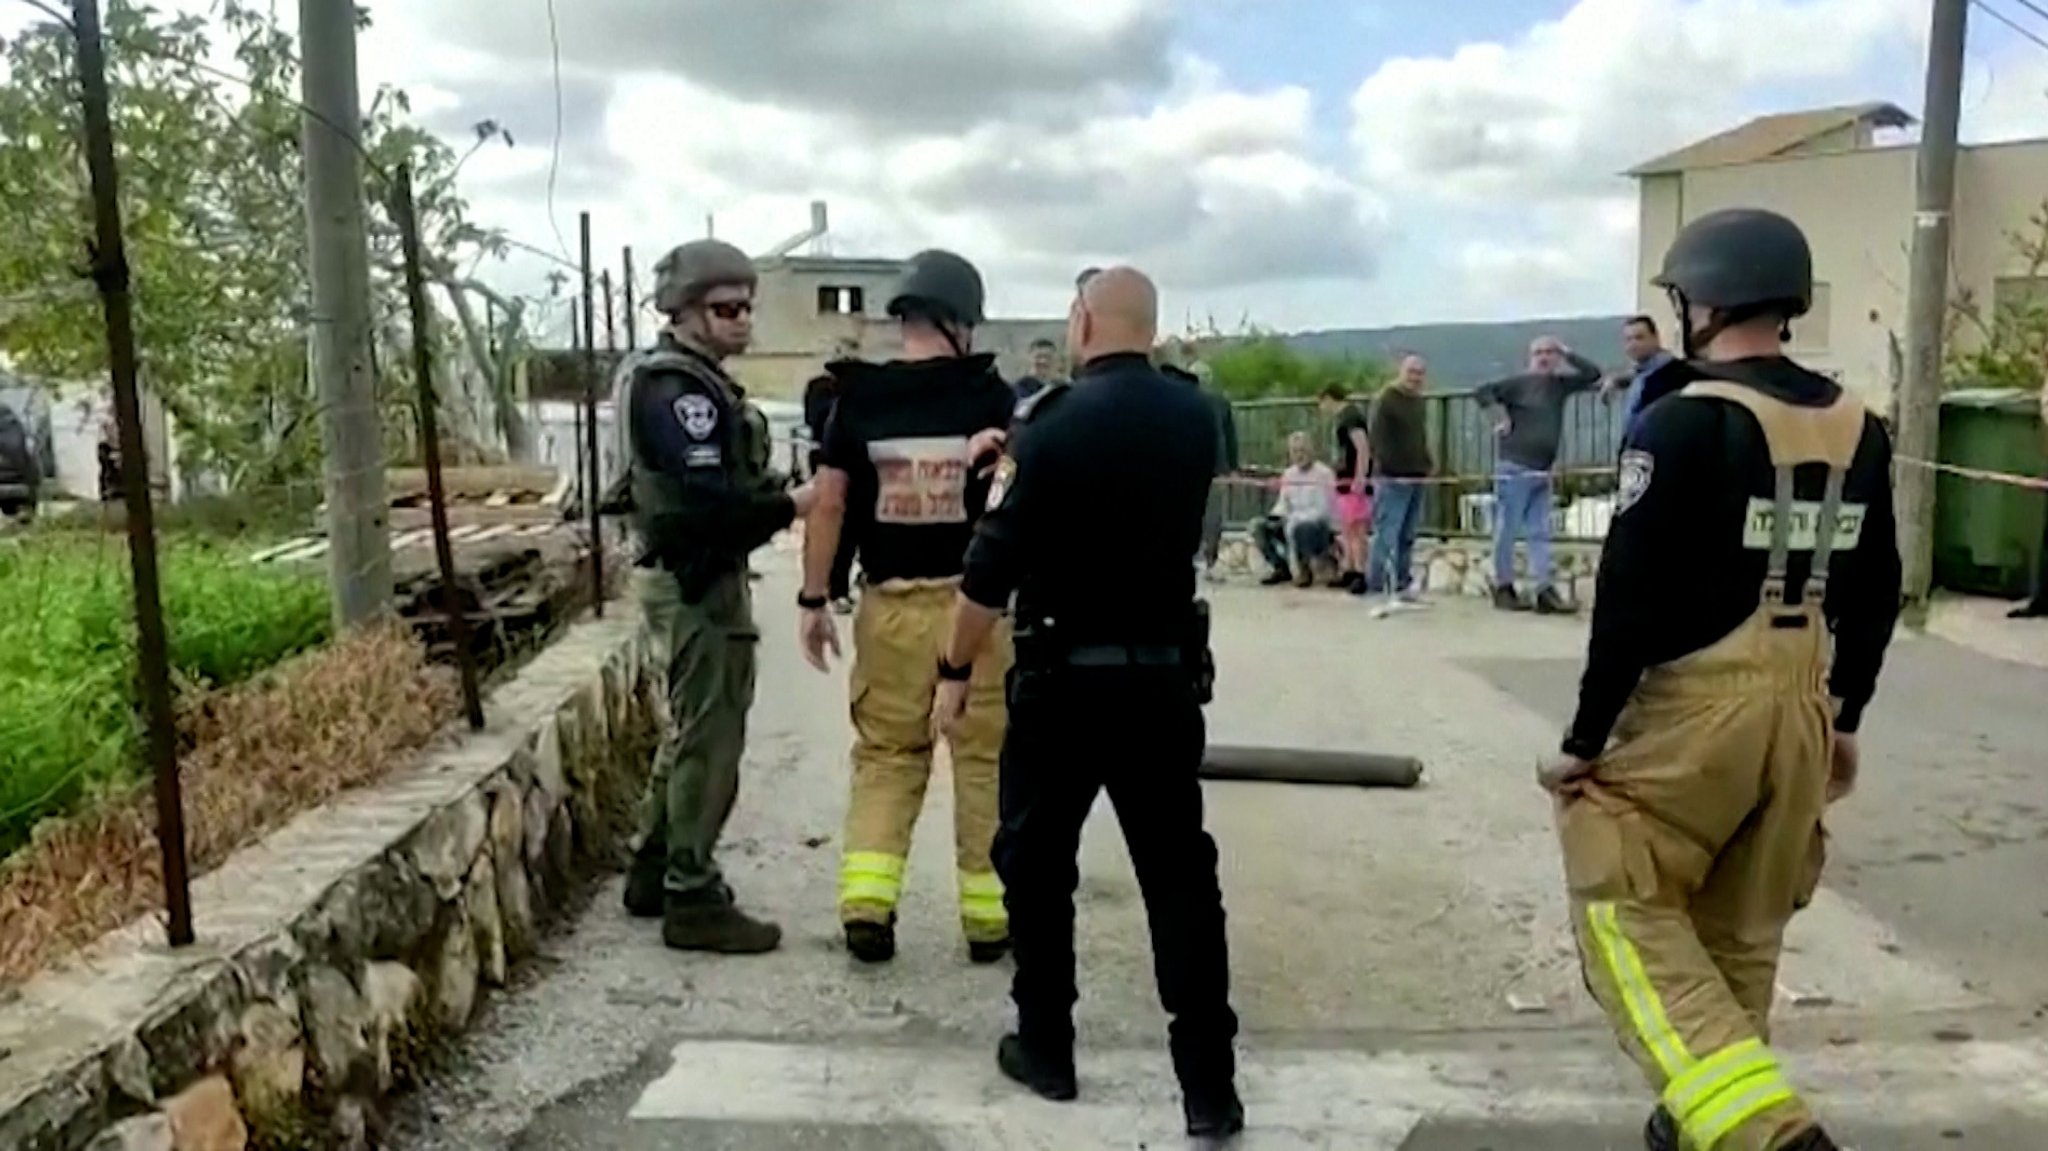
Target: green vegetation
(1262, 367)
(2004, 344)
(68, 724)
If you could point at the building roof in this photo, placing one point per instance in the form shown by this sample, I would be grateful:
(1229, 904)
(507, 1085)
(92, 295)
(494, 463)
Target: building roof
(1769, 136)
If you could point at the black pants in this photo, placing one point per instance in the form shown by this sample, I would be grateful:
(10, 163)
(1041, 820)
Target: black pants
(1138, 734)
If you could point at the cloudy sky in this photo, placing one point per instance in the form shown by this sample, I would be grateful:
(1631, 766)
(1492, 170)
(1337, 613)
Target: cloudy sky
(1302, 163)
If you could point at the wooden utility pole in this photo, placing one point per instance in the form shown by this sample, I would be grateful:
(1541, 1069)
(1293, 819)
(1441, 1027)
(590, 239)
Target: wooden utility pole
(593, 489)
(152, 648)
(1919, 430)
(430, 446)
(611, 331)
(632, 305)
(338, 263)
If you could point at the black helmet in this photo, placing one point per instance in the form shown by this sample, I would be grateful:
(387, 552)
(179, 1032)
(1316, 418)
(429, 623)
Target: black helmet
(1746, 262)
(939, 285)
(682, 277)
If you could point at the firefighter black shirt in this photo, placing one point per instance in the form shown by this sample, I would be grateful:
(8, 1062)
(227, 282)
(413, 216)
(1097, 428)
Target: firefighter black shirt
(1124, 435)
(900, 432)
(1676, 574)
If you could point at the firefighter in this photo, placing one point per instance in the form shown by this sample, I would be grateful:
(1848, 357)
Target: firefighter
(1753, 531)
(902, 468)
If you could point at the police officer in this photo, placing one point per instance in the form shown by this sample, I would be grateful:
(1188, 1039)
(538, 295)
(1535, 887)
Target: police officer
(702, 500)
(1752, 525)
(899, 479)
(1112, 671)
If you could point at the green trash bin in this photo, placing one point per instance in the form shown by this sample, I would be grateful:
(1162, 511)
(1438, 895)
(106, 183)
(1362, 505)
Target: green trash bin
(1987, 535)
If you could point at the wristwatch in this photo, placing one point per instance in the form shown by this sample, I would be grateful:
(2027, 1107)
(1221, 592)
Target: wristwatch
(812, 602)
(952, 674)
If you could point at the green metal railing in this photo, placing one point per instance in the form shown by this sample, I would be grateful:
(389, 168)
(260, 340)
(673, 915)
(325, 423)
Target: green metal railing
(1461, 438)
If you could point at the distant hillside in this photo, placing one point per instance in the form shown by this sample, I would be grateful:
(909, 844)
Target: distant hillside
(1463, 355)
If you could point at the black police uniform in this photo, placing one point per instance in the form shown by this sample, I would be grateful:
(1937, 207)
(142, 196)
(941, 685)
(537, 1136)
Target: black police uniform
(1107, 694)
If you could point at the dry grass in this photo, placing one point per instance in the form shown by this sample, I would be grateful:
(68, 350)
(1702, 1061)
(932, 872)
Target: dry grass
(255, 756)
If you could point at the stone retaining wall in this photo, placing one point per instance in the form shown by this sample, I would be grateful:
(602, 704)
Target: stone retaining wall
(1450, 566)
(333, 954)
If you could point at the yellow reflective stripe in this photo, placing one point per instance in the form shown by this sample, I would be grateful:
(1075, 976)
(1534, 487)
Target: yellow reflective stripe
(1684, 1095)
(871, 877)
(981, 897)
(1638, 995)
(1761, 1093)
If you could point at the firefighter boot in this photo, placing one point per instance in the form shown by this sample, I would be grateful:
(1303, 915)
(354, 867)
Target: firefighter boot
(1661, 1133)
(987, 951)
(1049, 1074)
(715, 925)
(1814, 1139)
(872, 942)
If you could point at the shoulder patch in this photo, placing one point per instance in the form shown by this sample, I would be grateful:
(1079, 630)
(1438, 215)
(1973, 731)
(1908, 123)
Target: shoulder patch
(698, 415)
(1043, 397)
(1637, 469)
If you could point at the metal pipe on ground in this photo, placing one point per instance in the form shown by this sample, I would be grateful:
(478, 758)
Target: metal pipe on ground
(1303, 765)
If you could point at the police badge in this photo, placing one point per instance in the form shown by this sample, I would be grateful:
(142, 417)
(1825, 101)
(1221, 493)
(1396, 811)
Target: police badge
(697, 414)
(1636, 470)
(1000, 485)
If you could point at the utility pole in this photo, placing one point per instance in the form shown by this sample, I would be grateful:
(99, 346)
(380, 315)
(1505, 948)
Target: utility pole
(611, 331)
(1927, 298)
(632, 313)
(152, 645)
(338, 262)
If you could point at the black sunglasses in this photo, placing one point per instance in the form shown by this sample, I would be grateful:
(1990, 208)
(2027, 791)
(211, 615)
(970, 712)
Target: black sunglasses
(731, 309)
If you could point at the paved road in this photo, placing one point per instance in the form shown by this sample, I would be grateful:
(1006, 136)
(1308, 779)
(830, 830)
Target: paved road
(1377, 936)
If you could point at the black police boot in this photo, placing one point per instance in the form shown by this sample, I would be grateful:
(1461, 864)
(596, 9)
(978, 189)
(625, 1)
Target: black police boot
(645, 898)
(1050, 1074)
(1276, 577)
(872, 942)
(1661, 1132)
(1212, 1112)
(1507, 599)
(1548, 603)
(983, 952)
(714, 924)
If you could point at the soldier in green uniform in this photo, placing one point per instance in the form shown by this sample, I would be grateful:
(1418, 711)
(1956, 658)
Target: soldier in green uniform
(702, 500)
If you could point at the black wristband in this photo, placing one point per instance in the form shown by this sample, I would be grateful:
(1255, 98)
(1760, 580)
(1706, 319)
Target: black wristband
(812, 602)
(952, 674)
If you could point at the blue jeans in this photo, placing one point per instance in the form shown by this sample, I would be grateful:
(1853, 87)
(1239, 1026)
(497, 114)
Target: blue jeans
(1521, 510)
(1396, 520)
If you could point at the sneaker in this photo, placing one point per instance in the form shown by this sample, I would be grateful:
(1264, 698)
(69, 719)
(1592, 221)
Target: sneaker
(1213, 1114)
(720, 928)
(983, 952)
(872, 942)
(1276, 577)
(1548, 603)
(1506, 599)
(1049, 1075)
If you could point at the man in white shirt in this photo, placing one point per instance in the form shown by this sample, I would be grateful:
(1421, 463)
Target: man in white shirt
(1302, 516)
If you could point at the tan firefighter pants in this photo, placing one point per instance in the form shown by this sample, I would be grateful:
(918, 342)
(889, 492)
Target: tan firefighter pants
(899, 630)
(1700, 834)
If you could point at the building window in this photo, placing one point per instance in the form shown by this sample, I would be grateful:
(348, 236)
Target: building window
(1810, 331)
(838, 301)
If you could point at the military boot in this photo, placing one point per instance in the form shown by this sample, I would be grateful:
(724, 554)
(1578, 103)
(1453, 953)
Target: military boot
(1212, 1112)
(645, 898)
(983, 952)
(717, 926)
(872, 942)
(1048, 1073)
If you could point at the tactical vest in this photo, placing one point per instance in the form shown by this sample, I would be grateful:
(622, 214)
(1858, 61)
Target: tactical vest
(1783, 524)
(744, 440)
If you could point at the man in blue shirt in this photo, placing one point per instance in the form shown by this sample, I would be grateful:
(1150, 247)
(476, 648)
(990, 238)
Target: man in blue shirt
(1645, 351)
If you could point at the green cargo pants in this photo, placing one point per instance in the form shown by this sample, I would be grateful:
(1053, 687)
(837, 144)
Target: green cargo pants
(709, 648)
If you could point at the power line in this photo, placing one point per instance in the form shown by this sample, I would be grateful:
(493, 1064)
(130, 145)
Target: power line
(555, 150)
(2013, 24)
(2032, 6)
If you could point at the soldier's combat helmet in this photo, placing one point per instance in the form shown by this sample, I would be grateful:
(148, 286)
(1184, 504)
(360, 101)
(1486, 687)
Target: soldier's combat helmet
(1742, 264)
(690, 270)
(940, 286)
